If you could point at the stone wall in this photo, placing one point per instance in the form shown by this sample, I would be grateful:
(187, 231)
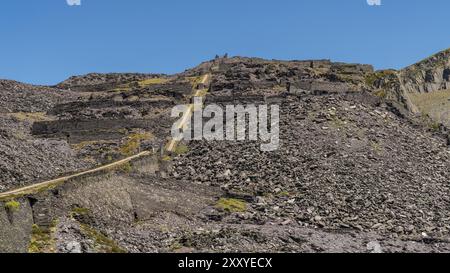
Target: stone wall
(77, 106)
(352, 68)
(318, 87)
(87, 130)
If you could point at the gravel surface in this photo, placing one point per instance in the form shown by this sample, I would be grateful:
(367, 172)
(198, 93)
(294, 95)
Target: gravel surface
(341, 164)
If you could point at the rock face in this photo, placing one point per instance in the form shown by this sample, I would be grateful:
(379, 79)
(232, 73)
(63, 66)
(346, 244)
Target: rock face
(429, 75)
(25, 159)
(102, 82)
(343, 162)
(244, 74)
(15, 228)
(422, 88)
(46, 132)
(356, 169)
(19, 97)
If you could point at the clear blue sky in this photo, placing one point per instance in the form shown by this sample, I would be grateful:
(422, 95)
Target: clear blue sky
(45, 41)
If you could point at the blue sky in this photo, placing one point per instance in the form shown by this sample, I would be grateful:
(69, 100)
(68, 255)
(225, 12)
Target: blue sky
(46, 41)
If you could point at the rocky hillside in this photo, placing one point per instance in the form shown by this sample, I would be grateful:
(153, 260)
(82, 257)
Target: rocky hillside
(357, 170)
(19, 97)
(423, 88)
(429, 75)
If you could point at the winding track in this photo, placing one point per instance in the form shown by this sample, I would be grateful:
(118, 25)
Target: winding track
(172, 145)
(44, 185)
(35, 188)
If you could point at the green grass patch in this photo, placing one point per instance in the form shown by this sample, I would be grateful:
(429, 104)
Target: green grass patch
(148, 82)
(102, 244)
(435, 126)
(381, 93)
(30, 117)
(12, 206)
(372, 78)
(376, 147)
(80, 211)
(231, 205)
(338, 123)
(181, 149)
(133, 142)
(42, 240)
(167, 158)
(126, 168)
(284, 194)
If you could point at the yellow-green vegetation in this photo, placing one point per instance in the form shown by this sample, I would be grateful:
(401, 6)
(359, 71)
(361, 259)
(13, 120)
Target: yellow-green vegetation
(195, 80)
(435, 126)
(144, 83)
(232, 205)
(284, 194)
(176, 246)
(30, 117)
(373, 77)
(376, 147)
(148, 82)
(133, 143)
(338, 123)
(181, 149)
(439, 59)
(381, 93)
(109, 158)
(12, 206)
(79, 211)
(434, 104)
(166, 158)
(102, 244)
(126, 168)
(122, 88)
(42, 240)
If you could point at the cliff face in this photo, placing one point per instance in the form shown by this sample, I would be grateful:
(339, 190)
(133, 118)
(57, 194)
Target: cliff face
(426, 87)
(429, 75)
(422, 89)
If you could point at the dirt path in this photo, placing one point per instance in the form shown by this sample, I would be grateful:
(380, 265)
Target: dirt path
(48, 184)
(54, 182)
(172, 145)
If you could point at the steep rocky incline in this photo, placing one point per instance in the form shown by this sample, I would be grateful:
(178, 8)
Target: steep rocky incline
(429, 75)
(103, 82)
(241, 75)
(343, 162)
(422, 88)
(357, 169)
(46, 132)
(20, 97)
(23, 158)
